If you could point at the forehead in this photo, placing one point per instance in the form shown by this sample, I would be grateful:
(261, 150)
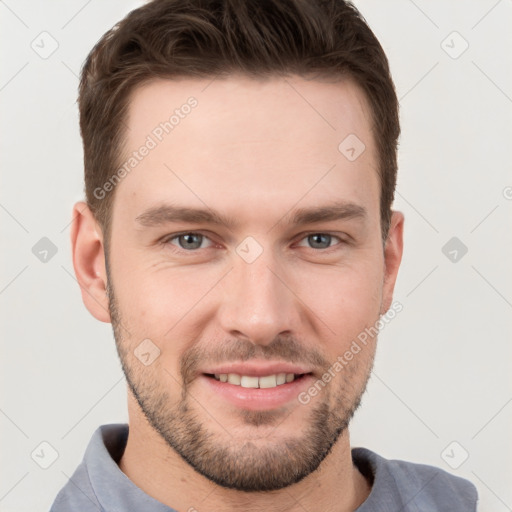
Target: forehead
(235, 142)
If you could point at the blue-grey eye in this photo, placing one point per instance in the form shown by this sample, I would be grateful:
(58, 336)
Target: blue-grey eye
(319, 240)
(190, 241)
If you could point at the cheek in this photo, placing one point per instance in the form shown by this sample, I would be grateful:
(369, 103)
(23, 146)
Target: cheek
(172, 306)
(347, 300)
(166, 307)
(156, 297)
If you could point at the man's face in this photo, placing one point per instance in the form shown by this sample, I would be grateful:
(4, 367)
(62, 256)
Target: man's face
(258, 298)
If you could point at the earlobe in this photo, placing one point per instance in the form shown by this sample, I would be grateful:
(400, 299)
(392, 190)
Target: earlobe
(89, 261)
(393, 251)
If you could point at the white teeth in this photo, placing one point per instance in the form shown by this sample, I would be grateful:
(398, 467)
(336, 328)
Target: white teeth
(280, 378)
(233, 378)
(269, 381)
(249, 381)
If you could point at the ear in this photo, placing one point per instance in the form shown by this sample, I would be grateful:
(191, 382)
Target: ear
(89, 261)
(393, 250)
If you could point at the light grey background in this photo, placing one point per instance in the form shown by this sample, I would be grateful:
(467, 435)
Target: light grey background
(443, 365)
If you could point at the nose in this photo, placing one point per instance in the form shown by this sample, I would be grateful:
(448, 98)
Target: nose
(259, 302)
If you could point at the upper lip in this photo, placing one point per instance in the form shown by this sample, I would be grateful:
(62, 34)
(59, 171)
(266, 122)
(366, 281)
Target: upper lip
(258, 368)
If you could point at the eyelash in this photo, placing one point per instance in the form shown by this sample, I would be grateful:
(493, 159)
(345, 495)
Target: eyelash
(167, 241)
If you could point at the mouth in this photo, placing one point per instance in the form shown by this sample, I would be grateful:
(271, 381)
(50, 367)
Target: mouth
(255, 385)
(257, 382)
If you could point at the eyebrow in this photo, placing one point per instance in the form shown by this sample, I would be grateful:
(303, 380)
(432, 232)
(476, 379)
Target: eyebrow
(167, 213)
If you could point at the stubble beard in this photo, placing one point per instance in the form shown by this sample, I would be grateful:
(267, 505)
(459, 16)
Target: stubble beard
(242, 464)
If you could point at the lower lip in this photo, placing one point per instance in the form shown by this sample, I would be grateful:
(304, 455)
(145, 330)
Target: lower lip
(258, 399)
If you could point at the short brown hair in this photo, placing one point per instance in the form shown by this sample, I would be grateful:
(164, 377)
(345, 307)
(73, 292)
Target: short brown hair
(208, 38)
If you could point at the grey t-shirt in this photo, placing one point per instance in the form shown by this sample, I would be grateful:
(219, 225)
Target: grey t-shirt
(397, 486)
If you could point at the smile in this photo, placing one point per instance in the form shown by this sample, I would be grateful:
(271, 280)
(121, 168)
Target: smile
(251, 381)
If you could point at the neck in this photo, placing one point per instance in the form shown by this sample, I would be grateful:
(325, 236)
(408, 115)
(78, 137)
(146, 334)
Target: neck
(160, 472)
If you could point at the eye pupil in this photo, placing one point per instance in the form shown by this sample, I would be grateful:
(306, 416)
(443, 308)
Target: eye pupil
(189, 237)
(317, 239)
(193, 241)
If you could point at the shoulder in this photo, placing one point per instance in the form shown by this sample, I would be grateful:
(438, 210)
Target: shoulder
(77, 494)
(417, 487)
(83, 490)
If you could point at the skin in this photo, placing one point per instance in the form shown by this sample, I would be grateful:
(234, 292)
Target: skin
(255, 151)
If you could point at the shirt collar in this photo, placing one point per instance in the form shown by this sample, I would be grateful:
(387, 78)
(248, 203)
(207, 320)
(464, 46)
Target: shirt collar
(384, 495)
(115, 491)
